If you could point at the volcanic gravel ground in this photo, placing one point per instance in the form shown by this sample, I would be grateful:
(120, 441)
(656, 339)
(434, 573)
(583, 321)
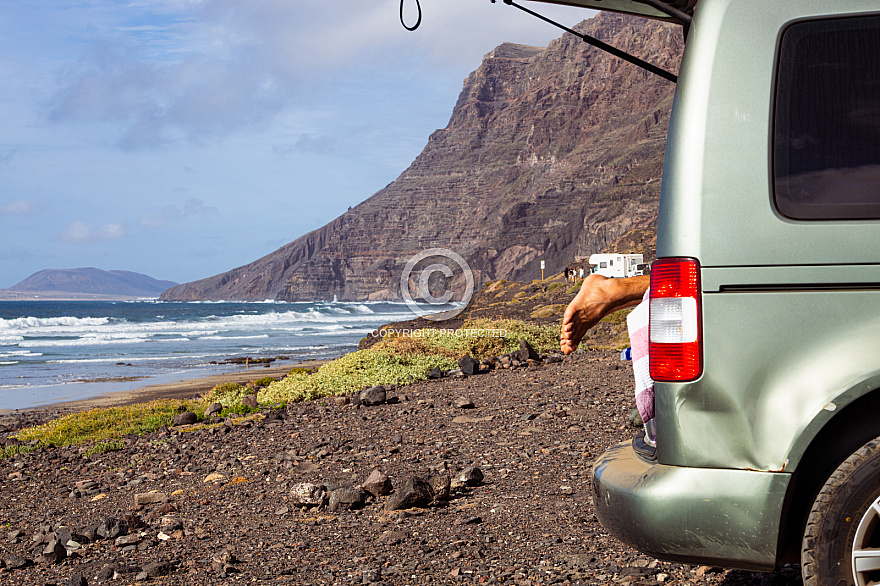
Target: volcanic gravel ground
(216, 505)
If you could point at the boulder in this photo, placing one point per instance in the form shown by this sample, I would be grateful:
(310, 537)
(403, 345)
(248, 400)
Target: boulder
(185, 418)
(213, 409)
(415, 492)
(526, 352)
(307, 494)
(471, 476)
(373, 396)
(469, 366)
(347, 499)
(377, 483)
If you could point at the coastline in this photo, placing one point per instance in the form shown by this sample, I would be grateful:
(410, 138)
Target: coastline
(14, 419)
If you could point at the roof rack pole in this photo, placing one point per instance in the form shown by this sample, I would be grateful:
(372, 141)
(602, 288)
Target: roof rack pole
(665, 8)
(600, 45)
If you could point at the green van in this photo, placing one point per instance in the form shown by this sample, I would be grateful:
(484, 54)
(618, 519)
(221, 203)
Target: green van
(768, 400)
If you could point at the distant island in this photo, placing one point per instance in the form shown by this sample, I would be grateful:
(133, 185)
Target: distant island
(85, 284)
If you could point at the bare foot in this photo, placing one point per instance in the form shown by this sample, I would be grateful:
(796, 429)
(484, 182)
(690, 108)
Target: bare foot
(597, 297)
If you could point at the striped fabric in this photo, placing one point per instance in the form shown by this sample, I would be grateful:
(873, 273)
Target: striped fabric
(637, 324)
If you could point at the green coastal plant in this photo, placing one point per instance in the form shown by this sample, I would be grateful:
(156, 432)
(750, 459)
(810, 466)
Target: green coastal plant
(482, 338)
(228, 394)
(352, 372)
(106, 423)
(104, 448)
(10, 451)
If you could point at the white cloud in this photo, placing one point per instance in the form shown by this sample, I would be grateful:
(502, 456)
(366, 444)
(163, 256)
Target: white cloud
(200, 71)
(20, 208)
(83, 233)
(192, 208)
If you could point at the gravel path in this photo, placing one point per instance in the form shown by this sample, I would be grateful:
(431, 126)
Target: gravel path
(225, 505)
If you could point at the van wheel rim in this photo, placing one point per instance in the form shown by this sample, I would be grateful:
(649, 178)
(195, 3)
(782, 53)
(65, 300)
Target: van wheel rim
(866, 547)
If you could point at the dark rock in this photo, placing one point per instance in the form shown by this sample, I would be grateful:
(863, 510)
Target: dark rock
(464, 403)
(392, 538)
(156, 569)
(347, 499)
(526, 352)
(150, 498)
(469, 365)
(435, 373)
(634, 419)
(377, 483)
(250, 401)
(106, 573)
(373, 396)
(54, 552)
(440, 485)
(130, 539)
(213, 409)
(471, 476)
(14, 562)
(133, 522)
(185, 418)
(415, 492)
(111, 528)
(77, 579)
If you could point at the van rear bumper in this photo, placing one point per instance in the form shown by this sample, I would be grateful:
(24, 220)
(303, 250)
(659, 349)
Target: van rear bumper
(695, 515)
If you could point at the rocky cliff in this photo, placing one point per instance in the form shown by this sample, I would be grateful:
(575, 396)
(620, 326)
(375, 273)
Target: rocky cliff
(550, 154)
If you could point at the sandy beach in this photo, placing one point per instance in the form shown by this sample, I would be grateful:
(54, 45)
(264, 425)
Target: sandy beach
(177, 389)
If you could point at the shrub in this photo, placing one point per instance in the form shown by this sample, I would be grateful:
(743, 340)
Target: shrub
(228, 394)
(104, 448)
(352, 372)
(10, 451)
(105, 423)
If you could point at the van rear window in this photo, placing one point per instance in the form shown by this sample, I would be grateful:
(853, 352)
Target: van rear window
(827, 130)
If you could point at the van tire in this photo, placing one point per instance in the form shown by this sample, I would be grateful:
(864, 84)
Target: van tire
(839, 509)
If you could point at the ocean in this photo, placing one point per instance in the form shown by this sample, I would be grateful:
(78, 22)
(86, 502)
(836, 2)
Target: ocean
(53, 351)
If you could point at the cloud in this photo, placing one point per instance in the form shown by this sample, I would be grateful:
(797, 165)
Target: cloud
(192, 208)
(16, 254)
(82, 233)
(20, 208)
(7, 156)
(322, 145)
(171, 72)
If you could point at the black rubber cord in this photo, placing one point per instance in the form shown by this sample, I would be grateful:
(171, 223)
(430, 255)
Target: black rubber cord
(418, 22)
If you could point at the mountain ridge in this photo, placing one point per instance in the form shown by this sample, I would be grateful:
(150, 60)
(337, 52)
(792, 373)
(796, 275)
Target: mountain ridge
(550, 154)
(89, 282)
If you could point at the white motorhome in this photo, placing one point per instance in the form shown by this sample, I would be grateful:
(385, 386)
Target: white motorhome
(618, 265)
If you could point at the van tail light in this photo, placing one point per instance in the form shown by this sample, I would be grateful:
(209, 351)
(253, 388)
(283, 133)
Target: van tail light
(676, 329)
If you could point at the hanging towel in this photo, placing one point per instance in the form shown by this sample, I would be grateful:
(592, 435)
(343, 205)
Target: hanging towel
(637, 325)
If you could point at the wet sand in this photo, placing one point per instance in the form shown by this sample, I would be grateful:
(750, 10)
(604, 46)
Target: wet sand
(177, 389)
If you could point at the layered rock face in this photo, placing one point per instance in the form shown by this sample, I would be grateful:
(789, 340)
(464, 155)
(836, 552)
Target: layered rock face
(550, 154)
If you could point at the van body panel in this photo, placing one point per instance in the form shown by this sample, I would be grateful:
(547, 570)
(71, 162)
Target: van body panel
(790, 278)
(760, 391)
(790, 308)
(716, 198)
(728, 517)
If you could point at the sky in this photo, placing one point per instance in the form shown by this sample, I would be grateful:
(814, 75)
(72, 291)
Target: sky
(183, 138)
